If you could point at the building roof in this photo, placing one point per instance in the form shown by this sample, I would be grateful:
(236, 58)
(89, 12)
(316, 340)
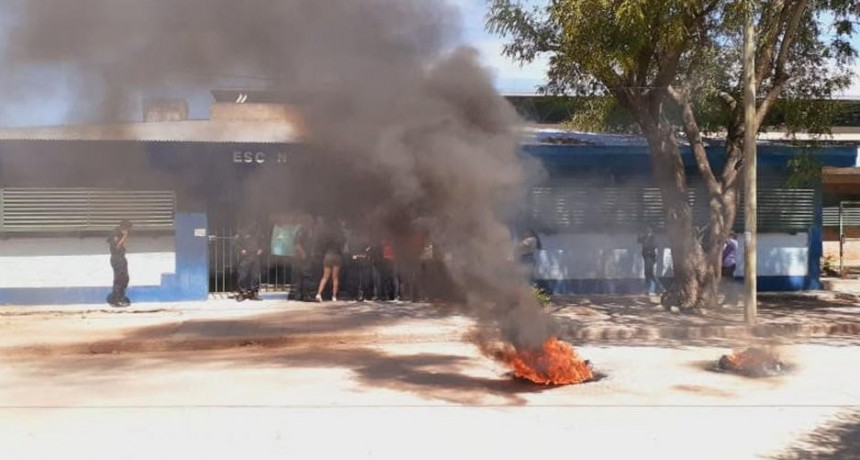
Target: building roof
(274, 131)
(557, 134)
(561, 136)
(174, 131)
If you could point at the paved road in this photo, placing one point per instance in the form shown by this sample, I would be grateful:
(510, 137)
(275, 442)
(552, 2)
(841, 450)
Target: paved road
(431, 400)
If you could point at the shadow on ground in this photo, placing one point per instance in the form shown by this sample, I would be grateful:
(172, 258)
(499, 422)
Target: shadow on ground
(326, 319)
(430, 376)
(838, 440)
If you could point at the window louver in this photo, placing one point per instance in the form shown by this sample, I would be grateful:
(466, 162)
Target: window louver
(32, 210)
(850, 216)
(565, 206)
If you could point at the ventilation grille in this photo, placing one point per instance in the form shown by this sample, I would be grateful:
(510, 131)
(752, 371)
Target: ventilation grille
(564, 206)
(37, 210)
(850, 216)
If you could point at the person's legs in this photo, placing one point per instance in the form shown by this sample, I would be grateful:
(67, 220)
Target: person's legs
(650, 282)
(123, 282)
(254, 282)
(729, 286)
(295, 279)
(385, 280)
(335, 282)
(360, 275)
(376, 274)
(120, 280)
(395, 279)
(309, 274)
(323, 281)
(243, 278)
(418, 282)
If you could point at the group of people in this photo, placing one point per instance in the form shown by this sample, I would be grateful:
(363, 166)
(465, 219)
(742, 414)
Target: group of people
(320, 252)
(323, 253)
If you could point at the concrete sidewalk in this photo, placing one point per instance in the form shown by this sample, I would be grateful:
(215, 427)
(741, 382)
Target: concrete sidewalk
(218, 324)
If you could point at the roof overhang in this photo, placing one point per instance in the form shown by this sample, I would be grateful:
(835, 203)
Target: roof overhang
(841, 181)
(175, 131)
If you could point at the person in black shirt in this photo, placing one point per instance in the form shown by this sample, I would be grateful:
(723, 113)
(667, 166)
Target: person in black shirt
(250, 249)
(332, 244)
(119, 264)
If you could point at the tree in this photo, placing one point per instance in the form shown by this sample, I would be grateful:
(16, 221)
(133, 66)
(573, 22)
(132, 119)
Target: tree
(675, 66)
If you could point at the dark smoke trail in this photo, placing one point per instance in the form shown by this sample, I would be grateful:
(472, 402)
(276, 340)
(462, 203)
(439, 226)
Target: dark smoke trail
(413, 128)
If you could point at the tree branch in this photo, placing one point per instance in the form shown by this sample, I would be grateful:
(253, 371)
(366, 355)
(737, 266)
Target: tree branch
(770, 27)
(788, 37)
(730, 100)
(694, 137)
(769, 101)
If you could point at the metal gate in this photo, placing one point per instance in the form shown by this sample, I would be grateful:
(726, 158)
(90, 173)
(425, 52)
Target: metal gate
(224, 262)
(848, 213)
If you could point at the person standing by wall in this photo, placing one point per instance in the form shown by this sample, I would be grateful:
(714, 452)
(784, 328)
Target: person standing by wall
(649, 259)
(730, 261)
(117, 241)
(250, 250)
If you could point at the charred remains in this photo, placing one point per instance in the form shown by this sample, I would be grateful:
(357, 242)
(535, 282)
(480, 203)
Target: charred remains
(752, 362)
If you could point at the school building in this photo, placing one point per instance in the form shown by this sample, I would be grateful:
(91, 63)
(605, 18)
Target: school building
(182, 183)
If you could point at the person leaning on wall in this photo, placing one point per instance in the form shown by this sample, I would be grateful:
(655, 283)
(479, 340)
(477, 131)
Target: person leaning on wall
(117, 243)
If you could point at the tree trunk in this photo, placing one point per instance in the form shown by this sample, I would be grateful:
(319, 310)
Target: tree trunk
(695, 255)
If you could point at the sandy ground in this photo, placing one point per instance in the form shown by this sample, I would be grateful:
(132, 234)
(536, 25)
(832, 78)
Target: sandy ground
(431, 400)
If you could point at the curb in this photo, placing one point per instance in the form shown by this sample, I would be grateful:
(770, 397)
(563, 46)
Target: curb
(572, 333)
(598, 334)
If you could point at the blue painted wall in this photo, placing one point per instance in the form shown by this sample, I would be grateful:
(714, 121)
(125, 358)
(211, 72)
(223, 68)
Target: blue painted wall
(190, 281)
(637, 286)
(613, 164)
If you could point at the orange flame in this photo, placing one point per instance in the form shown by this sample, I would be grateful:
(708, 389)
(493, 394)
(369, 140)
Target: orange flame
(555, 363)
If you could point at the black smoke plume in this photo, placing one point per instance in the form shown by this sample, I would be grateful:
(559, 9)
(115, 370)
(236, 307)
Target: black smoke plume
(408, 126)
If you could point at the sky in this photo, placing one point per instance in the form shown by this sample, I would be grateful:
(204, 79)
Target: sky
(512, 78)
(509, 76)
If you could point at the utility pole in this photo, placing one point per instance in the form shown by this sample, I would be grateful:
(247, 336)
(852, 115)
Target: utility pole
(750, 187)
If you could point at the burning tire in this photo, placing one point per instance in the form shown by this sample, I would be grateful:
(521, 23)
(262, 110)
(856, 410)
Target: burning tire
(752, 362)
(554, 363)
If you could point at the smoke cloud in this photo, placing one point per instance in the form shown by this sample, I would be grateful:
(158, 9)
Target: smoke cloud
(407, 127)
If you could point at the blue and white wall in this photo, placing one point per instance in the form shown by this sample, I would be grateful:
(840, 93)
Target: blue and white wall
(71, 270)
(595, 263)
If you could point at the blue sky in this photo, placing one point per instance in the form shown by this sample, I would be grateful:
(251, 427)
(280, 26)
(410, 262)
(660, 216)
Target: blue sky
(510, 76)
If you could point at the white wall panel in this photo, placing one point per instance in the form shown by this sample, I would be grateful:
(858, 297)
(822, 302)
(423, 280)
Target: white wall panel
(618, 256)
(81, 262)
